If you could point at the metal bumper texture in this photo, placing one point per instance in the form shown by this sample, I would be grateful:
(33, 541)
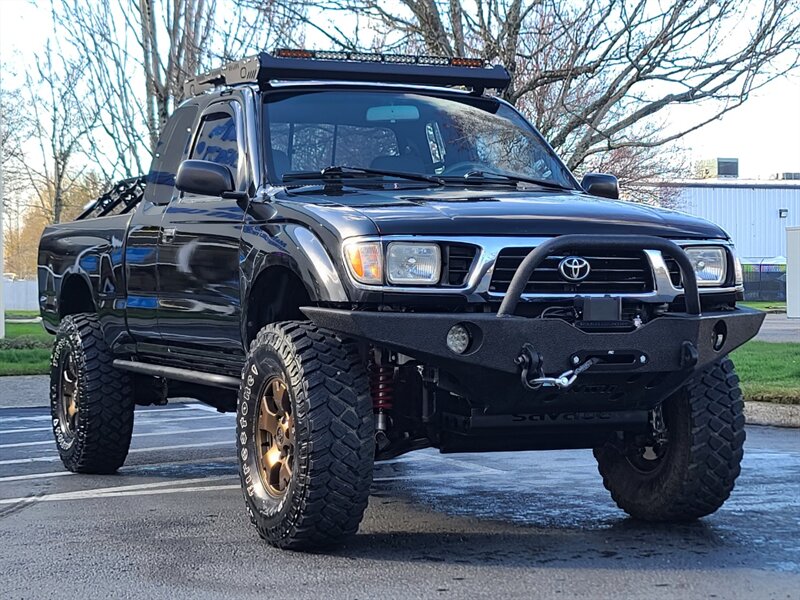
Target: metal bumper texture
(658, 346)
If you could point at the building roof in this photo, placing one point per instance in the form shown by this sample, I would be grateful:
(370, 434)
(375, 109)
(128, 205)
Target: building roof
(730, 182)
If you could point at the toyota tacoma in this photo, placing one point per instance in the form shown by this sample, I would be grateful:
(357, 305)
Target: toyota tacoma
(365, 255)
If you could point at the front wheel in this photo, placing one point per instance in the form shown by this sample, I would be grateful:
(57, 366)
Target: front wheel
(691, 472)
(305, 436)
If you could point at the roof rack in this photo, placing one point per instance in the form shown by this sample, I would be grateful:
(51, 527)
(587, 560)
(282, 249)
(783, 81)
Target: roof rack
(290, 64)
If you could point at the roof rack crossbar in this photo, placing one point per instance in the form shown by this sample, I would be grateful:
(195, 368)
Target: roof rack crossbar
(288, 65)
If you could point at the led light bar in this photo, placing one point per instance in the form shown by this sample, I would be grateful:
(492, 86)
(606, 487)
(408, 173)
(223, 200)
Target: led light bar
(477, 63)
(287, 64)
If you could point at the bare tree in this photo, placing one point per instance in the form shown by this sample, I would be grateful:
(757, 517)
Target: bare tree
(598, 76)
(16, 128)
(138, 55)
(59, 128)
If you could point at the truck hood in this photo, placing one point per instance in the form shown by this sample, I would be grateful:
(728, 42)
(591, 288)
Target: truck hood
(506, 212)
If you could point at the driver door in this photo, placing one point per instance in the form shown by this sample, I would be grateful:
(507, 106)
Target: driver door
(199, 302)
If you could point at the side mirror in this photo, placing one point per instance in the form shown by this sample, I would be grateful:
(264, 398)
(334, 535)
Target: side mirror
(204, 177)
(601, 184)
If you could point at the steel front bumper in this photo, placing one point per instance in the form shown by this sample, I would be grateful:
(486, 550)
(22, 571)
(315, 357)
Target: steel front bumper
(667, 344)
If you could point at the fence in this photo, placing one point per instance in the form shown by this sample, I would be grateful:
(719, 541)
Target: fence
(21, 295)
(765, 282)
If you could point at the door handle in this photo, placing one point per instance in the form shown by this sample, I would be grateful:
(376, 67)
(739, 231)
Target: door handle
(167, 235)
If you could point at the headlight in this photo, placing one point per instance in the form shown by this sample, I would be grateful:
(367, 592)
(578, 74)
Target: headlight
(710, 265)
(413, 263)
(365, 261)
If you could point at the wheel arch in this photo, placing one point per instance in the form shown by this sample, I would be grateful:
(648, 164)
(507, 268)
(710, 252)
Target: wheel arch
(75, 296)
(303, 264)
(277, 293)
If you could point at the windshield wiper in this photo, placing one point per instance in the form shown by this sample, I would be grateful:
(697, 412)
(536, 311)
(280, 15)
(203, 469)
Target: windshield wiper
(495, 177)
(336, 174)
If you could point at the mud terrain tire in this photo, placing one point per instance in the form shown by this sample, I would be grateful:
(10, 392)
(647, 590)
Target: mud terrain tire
(696, 472)
(91, 402)
(305, 436)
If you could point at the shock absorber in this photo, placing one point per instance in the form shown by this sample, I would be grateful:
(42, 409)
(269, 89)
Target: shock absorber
(381, 379)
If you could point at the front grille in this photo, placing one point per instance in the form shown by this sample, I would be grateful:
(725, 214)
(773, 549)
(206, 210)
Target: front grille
(458, 259)
(674, 271)
(611, 273)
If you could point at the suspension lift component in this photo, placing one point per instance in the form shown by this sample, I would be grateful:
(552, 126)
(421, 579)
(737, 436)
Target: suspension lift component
(381, 380)
(657, 425)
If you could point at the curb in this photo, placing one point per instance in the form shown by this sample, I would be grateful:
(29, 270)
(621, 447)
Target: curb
(773, 415)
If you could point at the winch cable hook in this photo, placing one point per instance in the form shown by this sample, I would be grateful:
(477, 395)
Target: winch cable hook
(531, 360)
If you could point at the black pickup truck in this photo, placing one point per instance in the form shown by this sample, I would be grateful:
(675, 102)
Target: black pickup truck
(364, 255)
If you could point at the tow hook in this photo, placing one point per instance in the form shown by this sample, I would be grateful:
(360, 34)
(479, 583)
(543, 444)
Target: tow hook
(531, 361)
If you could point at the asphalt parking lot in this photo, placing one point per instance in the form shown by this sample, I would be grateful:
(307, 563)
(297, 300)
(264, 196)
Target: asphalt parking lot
(172, 524)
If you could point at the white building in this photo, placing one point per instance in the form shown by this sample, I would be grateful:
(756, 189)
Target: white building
(754, 213)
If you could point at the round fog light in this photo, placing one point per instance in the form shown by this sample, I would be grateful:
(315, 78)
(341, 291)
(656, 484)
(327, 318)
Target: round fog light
(718, 335)
(458, 339)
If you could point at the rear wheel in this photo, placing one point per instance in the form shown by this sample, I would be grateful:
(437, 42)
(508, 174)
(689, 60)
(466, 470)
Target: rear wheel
(691, 471)
(91, 402)
(305, 436)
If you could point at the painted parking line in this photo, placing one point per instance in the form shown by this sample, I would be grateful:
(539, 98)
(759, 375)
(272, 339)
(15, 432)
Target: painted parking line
(35, 476)
(195, 489)
(34, 459)
(159, 487)
(171, 420)
(139, 413)
(127, 471)
(148, 434)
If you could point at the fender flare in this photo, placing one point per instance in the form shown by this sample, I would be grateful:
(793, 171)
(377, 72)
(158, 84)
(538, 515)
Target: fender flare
(300, 251)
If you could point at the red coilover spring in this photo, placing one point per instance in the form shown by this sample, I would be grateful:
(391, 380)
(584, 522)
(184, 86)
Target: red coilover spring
(381, 385)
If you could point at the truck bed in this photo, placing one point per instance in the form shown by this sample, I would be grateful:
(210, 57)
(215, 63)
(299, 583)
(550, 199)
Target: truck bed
(90, 249)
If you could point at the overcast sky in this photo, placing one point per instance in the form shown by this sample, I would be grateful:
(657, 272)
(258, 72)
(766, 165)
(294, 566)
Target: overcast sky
(764, 134)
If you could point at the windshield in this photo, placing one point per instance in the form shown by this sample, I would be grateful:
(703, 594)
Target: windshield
(448, 137)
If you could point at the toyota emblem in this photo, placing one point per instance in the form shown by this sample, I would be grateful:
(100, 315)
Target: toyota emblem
(574, 269)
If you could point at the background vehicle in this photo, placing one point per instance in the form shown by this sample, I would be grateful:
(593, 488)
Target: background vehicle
(363, 264)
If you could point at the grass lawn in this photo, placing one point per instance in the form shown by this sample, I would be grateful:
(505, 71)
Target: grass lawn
(765, 305)
(28, 331)
(34, 361)
(22, 314)
(26, 349)
(769, 372)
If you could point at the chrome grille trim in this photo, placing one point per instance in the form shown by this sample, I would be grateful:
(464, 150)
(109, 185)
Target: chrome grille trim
(624, 271)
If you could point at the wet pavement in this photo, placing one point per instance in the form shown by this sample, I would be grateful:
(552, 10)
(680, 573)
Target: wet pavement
(521, 525)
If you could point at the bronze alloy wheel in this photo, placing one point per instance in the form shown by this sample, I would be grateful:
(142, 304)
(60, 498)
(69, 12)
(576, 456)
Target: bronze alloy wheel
(275, 437)
(68, 396)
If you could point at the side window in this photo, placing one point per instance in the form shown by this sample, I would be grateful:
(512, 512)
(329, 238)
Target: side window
(217, 140)
(171, 148)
